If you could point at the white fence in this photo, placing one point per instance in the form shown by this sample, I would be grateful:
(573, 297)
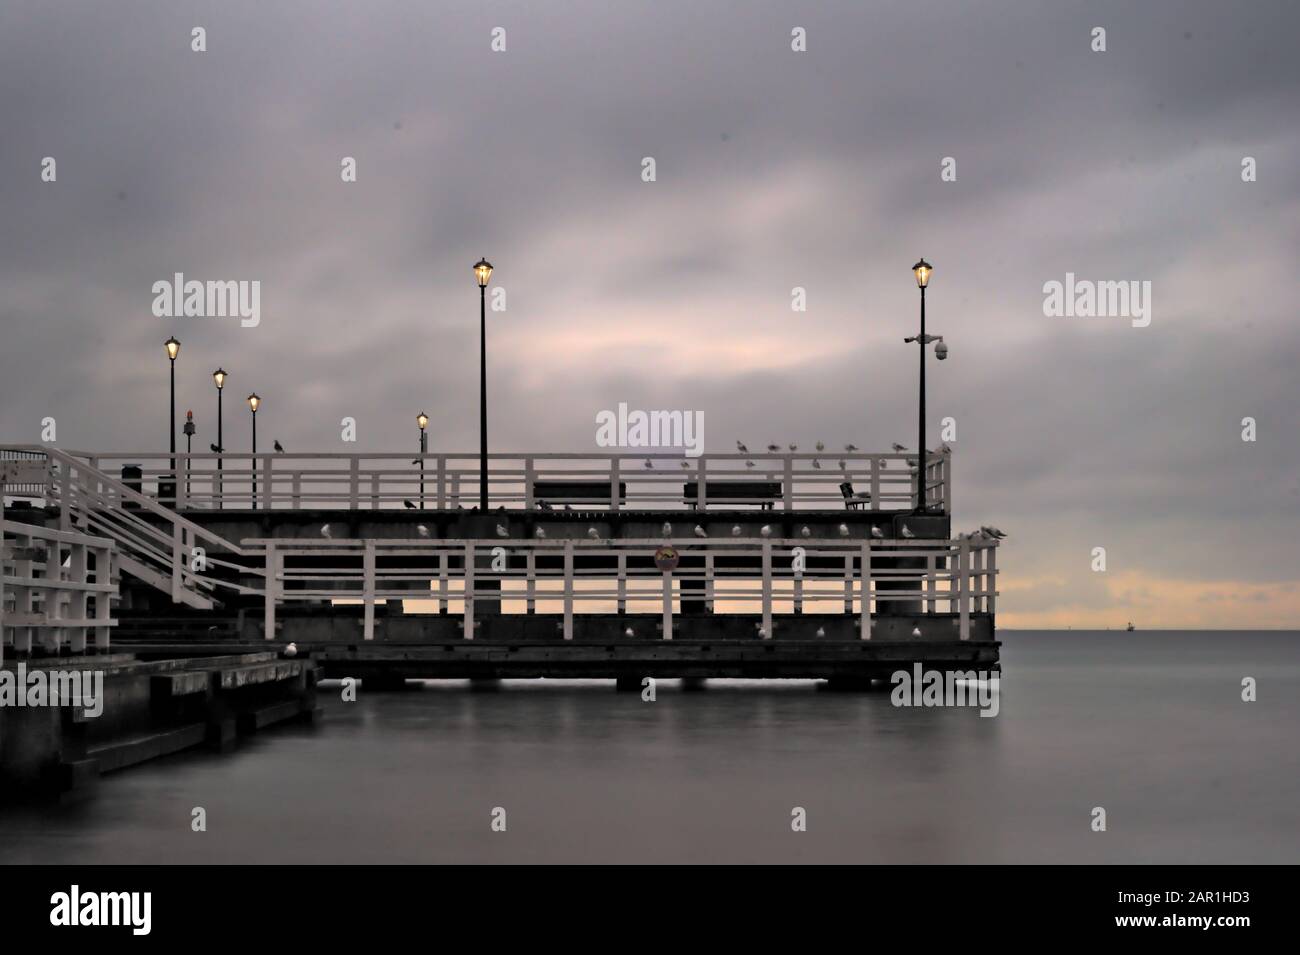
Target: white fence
(613, 481)
(956, 577)
(55, 589)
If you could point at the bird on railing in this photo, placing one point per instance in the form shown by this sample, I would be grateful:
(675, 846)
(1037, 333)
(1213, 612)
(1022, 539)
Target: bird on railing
(877, 533)
(649, 464)
(945, 448)
(700, 531)
(898, 448)
(805, 531)
(844, 530)
(215, 449)
(735, 530)
(749, 464)
(685, 464)
(907, 533)
(593, 533)
(543, 506)
(765, 530)
(916, 631)
(502, 532)
(279, 448)
(817, 464)
(850, 448)
(409, 505)
(667, 529)
(821, 631)
(421, 530)
(773, 448)
(844, 466)
(540, 533)
(741, 448)
(325, 531)
(821, 445)
(992, 532)
(629, 632)
(793, 447)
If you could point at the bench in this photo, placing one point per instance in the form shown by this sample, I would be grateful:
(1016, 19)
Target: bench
(763, 493)
(576, 492)
(854, 500)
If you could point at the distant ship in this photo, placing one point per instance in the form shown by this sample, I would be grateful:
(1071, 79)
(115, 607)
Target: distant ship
(1130, 626)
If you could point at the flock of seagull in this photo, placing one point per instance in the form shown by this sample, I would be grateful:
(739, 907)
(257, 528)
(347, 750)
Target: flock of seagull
(983, 533)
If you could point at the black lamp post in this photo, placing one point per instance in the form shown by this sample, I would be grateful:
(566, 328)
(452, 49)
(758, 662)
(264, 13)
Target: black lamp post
(219, 377)
(922, 271)
(483, 272)
(173, 349)
(189, 449)
(253, 403)
(422, 420)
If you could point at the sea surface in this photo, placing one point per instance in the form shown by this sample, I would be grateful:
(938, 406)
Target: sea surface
(1150, 726)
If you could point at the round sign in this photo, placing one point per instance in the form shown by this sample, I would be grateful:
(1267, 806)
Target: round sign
(666, 557)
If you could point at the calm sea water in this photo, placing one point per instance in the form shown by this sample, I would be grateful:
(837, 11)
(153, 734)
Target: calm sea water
(1148, 725)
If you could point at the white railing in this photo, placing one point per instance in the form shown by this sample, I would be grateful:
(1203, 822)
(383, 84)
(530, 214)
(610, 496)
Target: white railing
(613, 481)
(55, 589)
(734, 576)
(153, 542)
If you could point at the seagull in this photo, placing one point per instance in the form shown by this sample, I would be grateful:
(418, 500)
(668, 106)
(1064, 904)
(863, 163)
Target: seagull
(793, 447)
(540, 533)
(773, 448)
(649, 465)
(215, 449)
(992, 532)
(409, 506)
(850, 448)
(765, 530)
(279, 447)
(877, 533)
(685, 464)
(945, 448)
(916, 631)
(805, 531)
(291, 650)
(415, 460)
(749, 464)
(543, 506)
(821, 445)
(629, 632)
(593, 533)
(817, 464)
(325, 531)
(735, 530)
(843, 465)
(502, 532)
(667, 529)
(700, 531)
(422, 530)
(821, 631)
(907, 534)
(741, 448)
(844, 530)
(898, 448)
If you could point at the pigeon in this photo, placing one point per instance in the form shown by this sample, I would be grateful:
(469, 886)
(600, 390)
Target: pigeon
(749, 464)
(215, 449)
(741, 448)
(898, 448)
(540, 533)
(821, 445)
(907, 534)
(325, 531)
(700, 531)
(805, 531)
(850, 448)
(817, 464)
(409, 506)
(877, 533)
(421, 530)
(844, 530)
(279, 447)
(773, 448)
(765, 530)
(593, 533)
(735, 530)
(502, 532)
(667, 529)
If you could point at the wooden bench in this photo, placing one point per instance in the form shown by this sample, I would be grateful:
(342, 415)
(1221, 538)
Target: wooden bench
(763, 493)
(577, 492)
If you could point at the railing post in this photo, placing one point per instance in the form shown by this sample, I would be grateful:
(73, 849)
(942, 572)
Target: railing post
(103, 598)
(787, 483)
(530, 581)
(668, 604)
(354, 481)
(368, 588)
(568, 590)
(2, 583)
(963, 588)
(708, 581)
(864, 620)
(622, 583)
(702, 482)
(79, 605)
(374, 491)
(929, 583)
(767, 589)
(267, 495)
(178, 545)
(875, 483)
(991, 577)
(297, 489)
(530, 478)
(848, 583)
(441, 478)
(614, 463)
(469, 590)
(444, 559)
(271, 590)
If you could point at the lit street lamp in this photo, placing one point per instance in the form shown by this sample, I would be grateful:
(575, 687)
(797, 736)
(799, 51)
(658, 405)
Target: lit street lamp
(922, 270)
(253, 403)
(482, 272)
(219, 377)
(173, 349)
(422, 420)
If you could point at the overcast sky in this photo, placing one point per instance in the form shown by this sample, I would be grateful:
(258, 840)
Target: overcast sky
(775, 169)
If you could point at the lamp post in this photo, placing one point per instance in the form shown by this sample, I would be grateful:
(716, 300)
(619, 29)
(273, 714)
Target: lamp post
(422, 420)
(253, 403)
(219, 377)
(189, 449)
(922, 271)
(173, 349)
(482, 272)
